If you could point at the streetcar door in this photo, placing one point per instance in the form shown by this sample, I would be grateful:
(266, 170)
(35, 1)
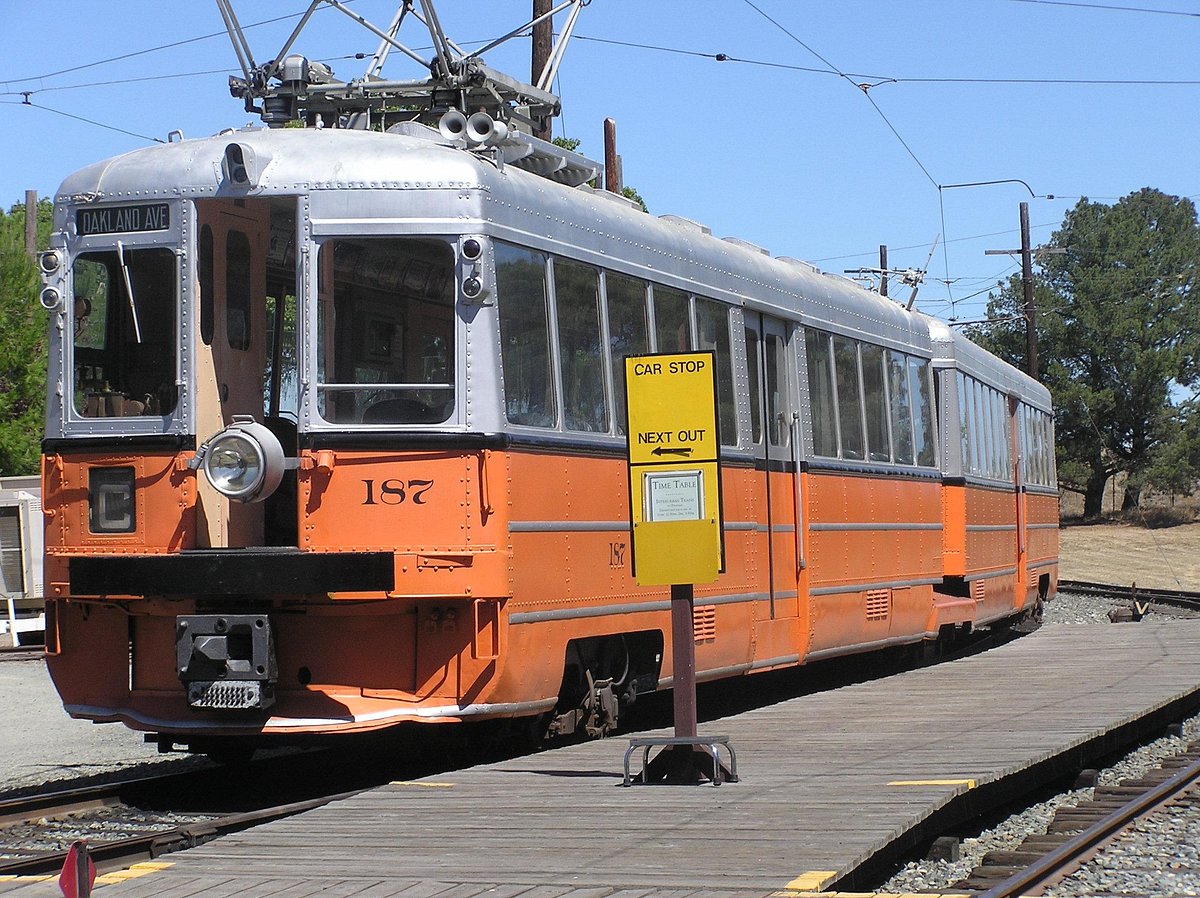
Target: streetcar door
(773, 390)
(233, 346)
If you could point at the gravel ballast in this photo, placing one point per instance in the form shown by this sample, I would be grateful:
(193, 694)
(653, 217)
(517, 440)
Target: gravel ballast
(1152, 863)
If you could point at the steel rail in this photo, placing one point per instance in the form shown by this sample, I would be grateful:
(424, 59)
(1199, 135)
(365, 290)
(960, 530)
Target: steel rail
(28, 808)
(120, 853)
(1068, 855)
(1177, 597)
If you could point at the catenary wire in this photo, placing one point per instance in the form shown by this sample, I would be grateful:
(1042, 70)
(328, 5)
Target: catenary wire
(89, 121)
(1104, 7)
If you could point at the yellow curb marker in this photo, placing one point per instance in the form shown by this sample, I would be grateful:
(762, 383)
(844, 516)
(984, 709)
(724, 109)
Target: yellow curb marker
(421, 785)
(812, 881)
(970, 784)
(134, 872)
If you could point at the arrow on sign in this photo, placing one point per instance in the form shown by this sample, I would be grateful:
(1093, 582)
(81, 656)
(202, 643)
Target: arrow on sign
(671, 450)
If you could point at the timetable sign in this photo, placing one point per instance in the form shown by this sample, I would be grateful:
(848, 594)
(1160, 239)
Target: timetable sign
(674, 470)
(673, 495)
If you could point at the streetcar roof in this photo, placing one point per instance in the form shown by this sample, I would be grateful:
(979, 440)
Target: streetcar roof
(353, 175)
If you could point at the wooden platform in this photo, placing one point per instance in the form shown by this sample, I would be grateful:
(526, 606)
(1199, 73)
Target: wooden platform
(826, 780)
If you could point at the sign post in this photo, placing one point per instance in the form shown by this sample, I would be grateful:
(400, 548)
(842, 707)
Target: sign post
(675, 507)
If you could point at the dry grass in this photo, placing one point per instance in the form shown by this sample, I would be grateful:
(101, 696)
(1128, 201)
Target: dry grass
(1167, 558)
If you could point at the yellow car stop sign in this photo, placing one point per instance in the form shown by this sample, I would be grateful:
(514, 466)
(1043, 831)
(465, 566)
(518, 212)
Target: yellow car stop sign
(674, 470)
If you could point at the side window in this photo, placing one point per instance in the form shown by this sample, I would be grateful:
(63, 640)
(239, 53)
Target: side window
(237, 290)
(901, 407)
(671, 330)
(525, 336)
(386, 335)
(985, 435)
(1005, 471)
(712, 324)
(207, 254)
(628, 332)
(922, 394)
(845, 356)
(1026, 460)
(875, 395)
(820, 393)
(778, 430)
(581, 352)
(752, 363)
(964, 421)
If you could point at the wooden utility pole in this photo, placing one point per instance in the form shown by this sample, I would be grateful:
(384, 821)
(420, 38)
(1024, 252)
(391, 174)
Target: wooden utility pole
(1031, 347)
(612, 161)
(543, 40)
(1026, 251)
(31, 204)
(883, 270)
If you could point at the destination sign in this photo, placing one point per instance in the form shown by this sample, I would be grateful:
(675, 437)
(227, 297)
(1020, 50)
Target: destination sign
(123, 219)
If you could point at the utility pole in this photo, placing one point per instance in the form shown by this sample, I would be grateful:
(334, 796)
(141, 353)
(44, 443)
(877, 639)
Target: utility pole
(612, 161)
(31, 205)
(1026, 251)
(883, 277)
(543, 39)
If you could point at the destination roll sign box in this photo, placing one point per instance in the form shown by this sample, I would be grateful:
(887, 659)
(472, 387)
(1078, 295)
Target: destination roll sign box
(674, 470)
(123, 219)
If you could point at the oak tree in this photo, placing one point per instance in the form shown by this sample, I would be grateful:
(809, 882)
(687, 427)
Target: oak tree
(1119, 341)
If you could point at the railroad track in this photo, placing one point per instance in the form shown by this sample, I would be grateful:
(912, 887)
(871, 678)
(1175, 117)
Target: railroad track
(1175, 597)
(120, 852)
(1079, 833)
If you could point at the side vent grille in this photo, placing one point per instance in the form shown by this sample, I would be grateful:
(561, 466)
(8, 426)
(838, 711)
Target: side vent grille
(704, 622)
(978, 590)
(1034, 582)
(879, 604)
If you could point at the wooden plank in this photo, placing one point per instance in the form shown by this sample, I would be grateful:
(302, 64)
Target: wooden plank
(817, 793)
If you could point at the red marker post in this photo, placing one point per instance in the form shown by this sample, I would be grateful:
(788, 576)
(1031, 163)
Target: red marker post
(78, 872)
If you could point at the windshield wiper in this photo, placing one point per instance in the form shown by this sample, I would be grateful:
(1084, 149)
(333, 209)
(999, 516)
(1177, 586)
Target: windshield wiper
(137, 329)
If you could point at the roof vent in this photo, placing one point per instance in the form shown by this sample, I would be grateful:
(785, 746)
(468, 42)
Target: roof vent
(798, 263)
(746, 244)
(687, 223)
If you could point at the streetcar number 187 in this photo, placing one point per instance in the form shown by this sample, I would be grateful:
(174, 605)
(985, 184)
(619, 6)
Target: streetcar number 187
(396, 492)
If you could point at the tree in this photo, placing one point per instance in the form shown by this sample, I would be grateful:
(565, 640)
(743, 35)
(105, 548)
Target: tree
(23, 343)
(572, 144)
(1119, 338)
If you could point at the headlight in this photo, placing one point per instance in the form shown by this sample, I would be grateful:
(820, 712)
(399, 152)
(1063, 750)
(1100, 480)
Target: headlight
(244, 461)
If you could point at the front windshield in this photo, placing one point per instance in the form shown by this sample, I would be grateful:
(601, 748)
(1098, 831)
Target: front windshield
(385, 331)
(124, 328)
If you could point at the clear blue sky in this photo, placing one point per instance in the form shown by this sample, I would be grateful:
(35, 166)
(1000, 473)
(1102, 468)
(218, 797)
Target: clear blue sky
(776, 145)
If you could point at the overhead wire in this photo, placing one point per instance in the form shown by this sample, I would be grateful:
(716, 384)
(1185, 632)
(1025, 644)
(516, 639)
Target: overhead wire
(89, 121)
(894, 79)
(1109, 8)
(148, 50)
(830, 69)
